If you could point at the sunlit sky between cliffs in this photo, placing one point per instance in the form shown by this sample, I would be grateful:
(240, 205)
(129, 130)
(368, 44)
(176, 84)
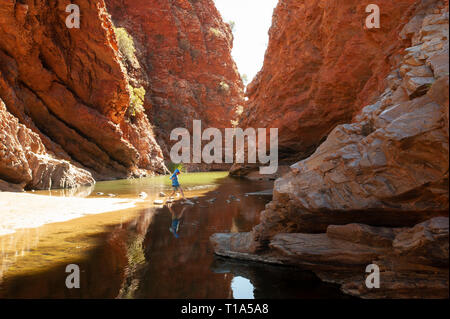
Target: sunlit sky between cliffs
(252, 19)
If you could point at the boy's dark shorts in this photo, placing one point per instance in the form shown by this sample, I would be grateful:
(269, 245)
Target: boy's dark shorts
(175, 187)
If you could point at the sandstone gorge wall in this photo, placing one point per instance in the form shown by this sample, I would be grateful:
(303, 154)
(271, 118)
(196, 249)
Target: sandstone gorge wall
(184, 51)
(74, 88)
(26, 163)
(376, 190)
(321, 66)
(390, 166)
(69, 87)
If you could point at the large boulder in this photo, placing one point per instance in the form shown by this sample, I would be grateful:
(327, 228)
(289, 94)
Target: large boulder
(387, 168)
(24, 162)
(412, 262)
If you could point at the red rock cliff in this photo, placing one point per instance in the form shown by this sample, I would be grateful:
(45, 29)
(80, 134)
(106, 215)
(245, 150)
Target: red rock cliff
(25, 162)
(376, 190)
(79, 89)
(321, 66)
(69, 86)
(184, 51)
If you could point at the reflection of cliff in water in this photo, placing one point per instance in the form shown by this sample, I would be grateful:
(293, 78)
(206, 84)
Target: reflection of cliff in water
(181, 267)
(101, 275)
(143, 259)
(277, 282)
(104, 271)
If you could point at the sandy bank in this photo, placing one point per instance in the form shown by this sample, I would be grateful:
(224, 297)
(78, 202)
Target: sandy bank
(19, 210)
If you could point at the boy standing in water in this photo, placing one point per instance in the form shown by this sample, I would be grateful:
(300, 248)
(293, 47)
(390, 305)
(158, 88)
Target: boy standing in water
(175, 184)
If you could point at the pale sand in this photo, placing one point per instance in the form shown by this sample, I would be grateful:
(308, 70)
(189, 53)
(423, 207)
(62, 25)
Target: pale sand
(20, 210)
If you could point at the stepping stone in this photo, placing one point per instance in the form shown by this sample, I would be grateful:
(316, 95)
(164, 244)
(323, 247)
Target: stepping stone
(187, 201)
(267, 192)
(143, 195)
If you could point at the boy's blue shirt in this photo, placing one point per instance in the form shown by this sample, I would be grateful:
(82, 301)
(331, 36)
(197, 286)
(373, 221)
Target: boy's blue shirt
(174, 179)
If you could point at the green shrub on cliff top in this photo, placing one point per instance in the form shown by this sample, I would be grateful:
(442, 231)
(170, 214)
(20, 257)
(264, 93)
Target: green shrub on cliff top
(232, 25)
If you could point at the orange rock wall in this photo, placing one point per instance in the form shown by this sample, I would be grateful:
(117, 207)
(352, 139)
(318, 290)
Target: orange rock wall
(322, 65)
(184, 49)
(71, 87)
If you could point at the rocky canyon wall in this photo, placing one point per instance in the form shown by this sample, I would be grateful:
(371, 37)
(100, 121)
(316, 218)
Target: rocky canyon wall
(376, 190)
(184, 51)
(25, 161)
(69, 86)
(322, 65)
(80, 91)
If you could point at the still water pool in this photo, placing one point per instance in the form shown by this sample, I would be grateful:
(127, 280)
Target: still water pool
(133, 254)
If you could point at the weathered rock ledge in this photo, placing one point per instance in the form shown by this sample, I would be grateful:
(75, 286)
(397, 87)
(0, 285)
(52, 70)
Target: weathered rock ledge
(25, 163)
(320, 68)
(413, 261)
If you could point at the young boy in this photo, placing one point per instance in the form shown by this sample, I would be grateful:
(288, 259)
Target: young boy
(175, 184)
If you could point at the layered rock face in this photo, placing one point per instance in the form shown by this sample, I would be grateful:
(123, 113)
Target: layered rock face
(25, 162)
(184, 51)
(69, 86)
(79, 89)
(387, 171)
(74, 87)
(413, 262)
(321, 66)
(390, 166)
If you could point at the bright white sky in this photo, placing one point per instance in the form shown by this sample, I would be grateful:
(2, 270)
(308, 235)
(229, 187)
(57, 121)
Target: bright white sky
(253, 19)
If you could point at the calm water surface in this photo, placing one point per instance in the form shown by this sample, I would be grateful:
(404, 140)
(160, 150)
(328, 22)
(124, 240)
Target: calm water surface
(132, 253)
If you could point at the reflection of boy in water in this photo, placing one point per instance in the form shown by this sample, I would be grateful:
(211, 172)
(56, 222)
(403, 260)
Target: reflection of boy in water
(176, 219)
